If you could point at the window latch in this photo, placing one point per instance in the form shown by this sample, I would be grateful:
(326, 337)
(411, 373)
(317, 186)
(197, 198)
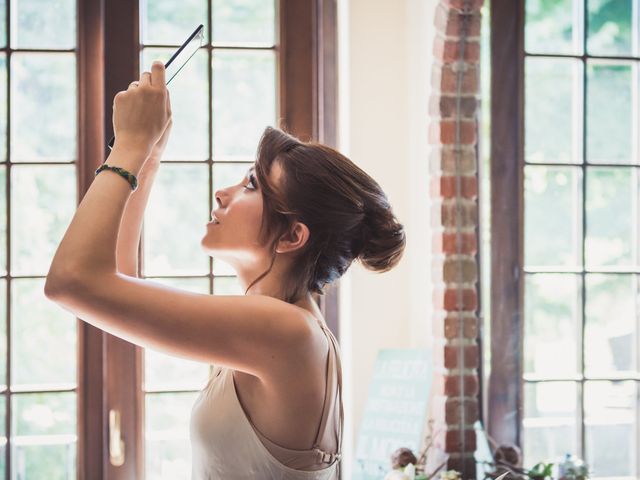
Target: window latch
(116, 444)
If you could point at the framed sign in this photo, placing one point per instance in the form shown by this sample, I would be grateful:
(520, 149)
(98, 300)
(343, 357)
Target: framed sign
(395, 412)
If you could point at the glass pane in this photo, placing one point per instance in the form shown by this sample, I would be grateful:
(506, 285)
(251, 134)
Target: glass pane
(38, 133)
(3, 26)
(610, 421)
(175, 220)
(610, 333)
(43, 24)
(552, 306)
(3, 105)
(552, 110)
(244, 101)
(189, 138)
(43, 202)
(227, 286)
(43, 339)
(222, 268)
(3, 433)
(553, 222)
(226, 175)
(549, 26)
(243, 21)
(167, 448)
(3, 220)
(3, 339)
(550, 428)
(609, 31)
(167, 22)
(611, 222)
(166, 372)
(609, 114)
(44, 436)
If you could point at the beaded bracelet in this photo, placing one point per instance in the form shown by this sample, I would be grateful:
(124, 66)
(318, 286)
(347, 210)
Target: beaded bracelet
(129, 177)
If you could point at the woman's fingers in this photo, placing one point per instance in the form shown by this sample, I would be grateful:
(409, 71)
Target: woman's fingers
(133, 84)
(145, 78)
(158, 74)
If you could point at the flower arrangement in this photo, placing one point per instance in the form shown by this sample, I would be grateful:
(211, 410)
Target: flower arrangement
(506, 466)
(508, 460)
(406, 466)
(572, 468)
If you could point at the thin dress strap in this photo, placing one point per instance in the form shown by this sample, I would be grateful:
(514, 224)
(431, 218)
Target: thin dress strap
(316, 454)
(334, 363)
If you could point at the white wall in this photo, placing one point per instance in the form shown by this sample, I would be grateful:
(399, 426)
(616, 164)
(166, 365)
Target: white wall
(385, 59)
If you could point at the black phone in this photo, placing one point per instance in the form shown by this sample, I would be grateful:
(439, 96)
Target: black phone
(179, 59)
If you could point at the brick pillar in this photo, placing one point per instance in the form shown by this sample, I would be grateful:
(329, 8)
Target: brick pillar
(454, 206)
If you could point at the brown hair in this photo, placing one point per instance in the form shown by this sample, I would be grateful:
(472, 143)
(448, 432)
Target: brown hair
(346, 211)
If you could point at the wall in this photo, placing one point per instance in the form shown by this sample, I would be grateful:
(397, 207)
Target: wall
(385, 59)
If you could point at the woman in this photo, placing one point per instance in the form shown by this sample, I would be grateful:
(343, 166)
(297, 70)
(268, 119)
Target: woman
(303, 213)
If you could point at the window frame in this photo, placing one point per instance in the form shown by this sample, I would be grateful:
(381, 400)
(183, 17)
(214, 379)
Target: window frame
(505, 389)
(505, 385)
(108, 58)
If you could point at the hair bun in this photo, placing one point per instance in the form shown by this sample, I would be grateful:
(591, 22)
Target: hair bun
(383, 240)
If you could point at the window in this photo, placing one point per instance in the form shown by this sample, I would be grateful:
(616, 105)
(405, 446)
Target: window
(60, 65)
(221, 102)
(575, 230)
(38, 153)
(266, 63)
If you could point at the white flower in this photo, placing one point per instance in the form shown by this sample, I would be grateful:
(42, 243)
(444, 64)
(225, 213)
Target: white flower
(450, 475)
(406, 474)
(396, 475)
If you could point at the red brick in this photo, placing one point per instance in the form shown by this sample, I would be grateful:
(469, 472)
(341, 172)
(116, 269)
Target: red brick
(463, 463)
(453, 356)
(444, 132)
(445, 214)
(447, 50)
(444, 79)
(452, 385)
(449, 385)
(453, 411)
(446, 243)
(455, 270)
(450, 440)
(449, 22)
(445, 186)
(449, 410)
(442, 160)
(451, 328)
(447, 299)
(461, 4)
(446, 107)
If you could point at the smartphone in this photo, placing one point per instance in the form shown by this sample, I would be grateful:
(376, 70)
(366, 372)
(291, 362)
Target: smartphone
(179, 59)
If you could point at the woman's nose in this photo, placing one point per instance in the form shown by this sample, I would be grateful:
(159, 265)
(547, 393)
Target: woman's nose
(218, 196)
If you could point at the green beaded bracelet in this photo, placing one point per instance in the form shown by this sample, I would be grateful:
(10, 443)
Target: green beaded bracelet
(129, 177)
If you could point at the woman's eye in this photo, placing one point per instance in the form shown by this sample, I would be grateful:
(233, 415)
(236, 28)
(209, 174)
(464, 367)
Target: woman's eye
(252, 183)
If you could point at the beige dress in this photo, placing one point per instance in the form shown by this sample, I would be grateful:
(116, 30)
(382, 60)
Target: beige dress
(227, 445)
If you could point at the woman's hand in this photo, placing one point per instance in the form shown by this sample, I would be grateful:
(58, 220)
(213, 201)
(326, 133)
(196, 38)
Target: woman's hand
(153, 160)
(142, 113)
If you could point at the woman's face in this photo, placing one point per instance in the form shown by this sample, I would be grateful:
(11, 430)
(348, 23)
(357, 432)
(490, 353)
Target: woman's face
(239, 211)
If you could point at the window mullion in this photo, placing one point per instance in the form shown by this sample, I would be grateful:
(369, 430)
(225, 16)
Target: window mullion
(122, 382)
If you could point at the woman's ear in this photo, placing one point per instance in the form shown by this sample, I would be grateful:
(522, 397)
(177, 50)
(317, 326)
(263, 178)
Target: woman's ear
(295, 239)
